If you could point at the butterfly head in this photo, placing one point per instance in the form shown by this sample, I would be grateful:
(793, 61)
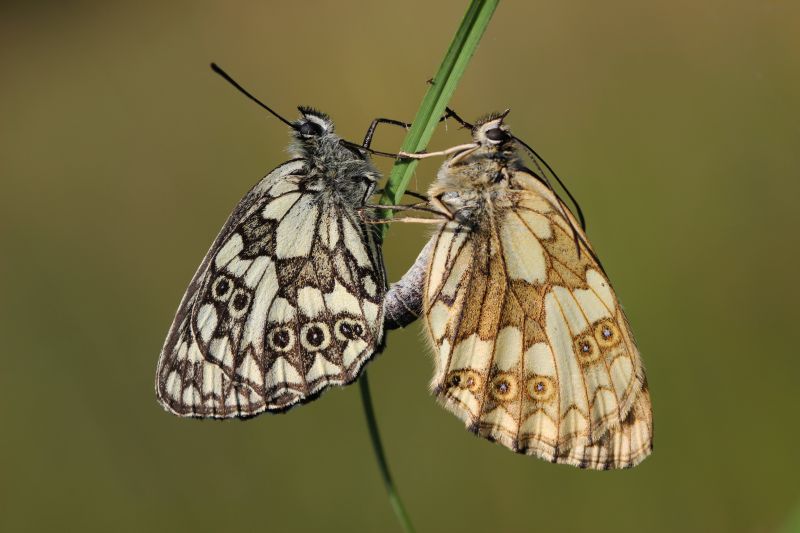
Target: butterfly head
(314, 138)
(483, 166)
(491, 132)
(331, 158)
(492, 145)
(312, 125)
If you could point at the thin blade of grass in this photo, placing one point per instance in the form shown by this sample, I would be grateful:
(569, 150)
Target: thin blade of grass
(431, 110)
(439, 93)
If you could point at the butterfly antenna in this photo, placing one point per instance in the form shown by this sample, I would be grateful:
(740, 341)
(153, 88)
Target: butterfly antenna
(536, 156)
(216, 68)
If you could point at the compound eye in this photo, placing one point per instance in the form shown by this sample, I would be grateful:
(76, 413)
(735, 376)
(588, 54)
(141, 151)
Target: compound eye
(496, 135)
(309, 129)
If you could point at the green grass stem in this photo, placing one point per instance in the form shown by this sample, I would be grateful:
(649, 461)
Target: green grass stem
(444, 84)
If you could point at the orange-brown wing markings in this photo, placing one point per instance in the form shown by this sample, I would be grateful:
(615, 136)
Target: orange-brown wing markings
(565, 276)
(533, 350)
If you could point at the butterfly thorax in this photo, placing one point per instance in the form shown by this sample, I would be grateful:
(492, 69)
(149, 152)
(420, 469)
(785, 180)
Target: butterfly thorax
(342, 172)
(476, 184)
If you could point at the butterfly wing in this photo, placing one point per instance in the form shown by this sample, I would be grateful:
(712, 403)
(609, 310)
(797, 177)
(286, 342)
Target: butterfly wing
(285, 304)
(533, 349)
(621, 447)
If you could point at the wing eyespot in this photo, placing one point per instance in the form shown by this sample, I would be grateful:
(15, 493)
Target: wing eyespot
(586, 349)
(315, 336)
(504, 387)
(607, 334)
(222, 288)
(348, 329)
(541, 388)
(281, 339)
(465, 379)
(239, 303)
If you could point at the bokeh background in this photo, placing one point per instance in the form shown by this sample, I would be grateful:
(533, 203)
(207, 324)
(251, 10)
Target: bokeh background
(677, 125)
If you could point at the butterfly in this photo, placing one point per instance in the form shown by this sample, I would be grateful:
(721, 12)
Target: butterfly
(532, 349)
(288, 300)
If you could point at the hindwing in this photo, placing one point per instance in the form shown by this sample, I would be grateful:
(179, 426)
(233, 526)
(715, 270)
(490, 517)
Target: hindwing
(285, 304)
(533, 348)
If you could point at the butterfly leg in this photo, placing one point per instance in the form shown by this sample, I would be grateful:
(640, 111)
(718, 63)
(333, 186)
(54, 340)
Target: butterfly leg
(417, 195)
(449, 112)
(437, 203)
(425, 155)
(405, 219)
(371, 131)
(413, 207)
(409, 193)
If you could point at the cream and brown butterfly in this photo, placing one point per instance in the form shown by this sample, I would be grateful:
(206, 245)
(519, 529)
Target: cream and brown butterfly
(532, 349)
(288, 300)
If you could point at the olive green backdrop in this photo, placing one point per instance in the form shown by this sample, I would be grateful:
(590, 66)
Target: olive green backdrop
(677, 124)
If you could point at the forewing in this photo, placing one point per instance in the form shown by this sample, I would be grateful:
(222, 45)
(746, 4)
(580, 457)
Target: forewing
(280, 307)
(533, 348)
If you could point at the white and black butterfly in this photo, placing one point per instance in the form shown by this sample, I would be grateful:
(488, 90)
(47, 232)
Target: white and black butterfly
(288, 300)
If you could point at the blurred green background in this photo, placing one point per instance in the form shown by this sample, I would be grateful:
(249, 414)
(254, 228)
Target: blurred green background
(677, 125)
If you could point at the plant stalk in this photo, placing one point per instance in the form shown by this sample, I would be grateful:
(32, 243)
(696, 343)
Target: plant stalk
(380, 456)
(432, 108)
